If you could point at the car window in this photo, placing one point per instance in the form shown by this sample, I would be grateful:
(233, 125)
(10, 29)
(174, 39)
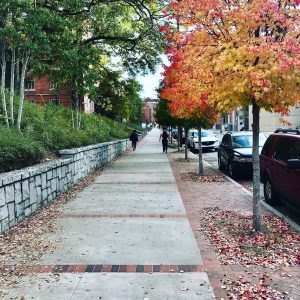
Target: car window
(223, 142)
(294, 149)
(207, 134)
(246, 141)
(226, 140)
(287, 149)
(267, 146)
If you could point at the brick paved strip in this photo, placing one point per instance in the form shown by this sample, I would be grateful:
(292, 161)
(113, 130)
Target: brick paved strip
(125, 216)
(116, 268)
(135, 182)
(90, 268)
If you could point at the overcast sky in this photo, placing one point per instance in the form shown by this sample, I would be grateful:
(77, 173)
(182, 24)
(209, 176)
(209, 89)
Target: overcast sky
(151, 82)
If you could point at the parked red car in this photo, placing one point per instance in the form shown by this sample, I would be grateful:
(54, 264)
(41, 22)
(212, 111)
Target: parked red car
(280, 167)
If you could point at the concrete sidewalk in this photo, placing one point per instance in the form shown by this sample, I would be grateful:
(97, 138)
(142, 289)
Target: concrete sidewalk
(127, 236)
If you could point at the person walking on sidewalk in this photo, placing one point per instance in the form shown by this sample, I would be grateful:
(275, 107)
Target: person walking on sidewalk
(134, 139)
(165, 138)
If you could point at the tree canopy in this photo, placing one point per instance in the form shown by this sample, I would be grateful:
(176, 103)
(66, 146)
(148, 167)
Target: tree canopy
(77, 41)
(236, 53)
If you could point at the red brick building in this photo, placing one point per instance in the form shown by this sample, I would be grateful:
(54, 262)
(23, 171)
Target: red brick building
(149, 109)
(42, 91)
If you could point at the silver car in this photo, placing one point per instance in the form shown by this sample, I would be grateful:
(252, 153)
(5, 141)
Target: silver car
(208, 140)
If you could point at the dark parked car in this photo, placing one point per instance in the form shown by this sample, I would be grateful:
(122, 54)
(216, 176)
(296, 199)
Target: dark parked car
(280, 167)
(235, 152)
(175, 133)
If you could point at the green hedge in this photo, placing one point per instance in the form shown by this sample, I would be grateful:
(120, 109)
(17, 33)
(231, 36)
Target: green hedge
(48, 129)
(18, 151)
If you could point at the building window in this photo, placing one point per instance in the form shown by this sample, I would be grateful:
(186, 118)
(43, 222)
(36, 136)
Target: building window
(29, 84)
(55, 101)
(53, 85)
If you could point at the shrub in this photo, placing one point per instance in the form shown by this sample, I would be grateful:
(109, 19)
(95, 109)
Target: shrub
(17, 151)
(48, 129)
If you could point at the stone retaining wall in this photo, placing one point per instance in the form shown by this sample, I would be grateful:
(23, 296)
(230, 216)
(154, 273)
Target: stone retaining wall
(23, 191)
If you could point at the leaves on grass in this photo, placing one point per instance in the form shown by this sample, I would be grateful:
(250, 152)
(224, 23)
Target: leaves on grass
(237, 243)
(207, 177)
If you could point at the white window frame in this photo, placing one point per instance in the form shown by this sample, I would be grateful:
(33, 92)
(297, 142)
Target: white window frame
(53, 85)
(32, 84)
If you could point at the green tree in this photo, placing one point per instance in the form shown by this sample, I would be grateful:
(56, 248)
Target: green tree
(26, 33)
(164, 117)
(75, 41)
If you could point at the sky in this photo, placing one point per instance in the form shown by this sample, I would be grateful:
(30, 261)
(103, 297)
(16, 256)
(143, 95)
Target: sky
(150, 82)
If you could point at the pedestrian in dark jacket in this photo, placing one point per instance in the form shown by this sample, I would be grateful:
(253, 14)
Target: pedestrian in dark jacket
(165, 138)
(134, 139)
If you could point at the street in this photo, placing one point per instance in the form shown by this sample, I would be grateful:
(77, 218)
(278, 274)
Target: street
(211, 157)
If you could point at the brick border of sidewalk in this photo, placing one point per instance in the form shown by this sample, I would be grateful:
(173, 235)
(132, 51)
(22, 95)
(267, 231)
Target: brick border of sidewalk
(160, 216)
(117, 268)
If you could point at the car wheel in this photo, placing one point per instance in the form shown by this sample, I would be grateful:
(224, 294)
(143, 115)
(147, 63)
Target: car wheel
(231, 170)
(269, 193)
(220, 163)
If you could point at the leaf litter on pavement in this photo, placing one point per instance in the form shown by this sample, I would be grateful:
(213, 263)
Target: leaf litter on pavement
(236, 243)
(245, 289)
(242, 277)
(210, 176)
(23, 246)
(183, 160)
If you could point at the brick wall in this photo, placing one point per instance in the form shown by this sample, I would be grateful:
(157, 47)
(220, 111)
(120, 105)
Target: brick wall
(24, 191)
(43, 94)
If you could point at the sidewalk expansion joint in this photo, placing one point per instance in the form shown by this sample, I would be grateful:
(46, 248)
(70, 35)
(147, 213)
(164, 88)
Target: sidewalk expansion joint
(161, 216)
(117, 268)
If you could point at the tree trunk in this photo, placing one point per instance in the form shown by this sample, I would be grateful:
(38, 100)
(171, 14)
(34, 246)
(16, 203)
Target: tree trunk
(72, 118)
(22, 80)
(17, 81)
(256, 170)
(79, 121)
(76, 106)
(186, 132)
(3, 75)
(201, 169)
(178, 138)
(12, 85)
(77, 118)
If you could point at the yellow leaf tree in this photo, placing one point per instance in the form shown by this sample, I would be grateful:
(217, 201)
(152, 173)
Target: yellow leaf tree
(243, 52)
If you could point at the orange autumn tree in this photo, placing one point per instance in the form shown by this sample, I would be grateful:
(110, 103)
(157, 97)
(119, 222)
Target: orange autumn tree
(193, 108)
(245, 52)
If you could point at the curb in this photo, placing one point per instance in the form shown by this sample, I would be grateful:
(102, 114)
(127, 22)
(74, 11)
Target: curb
(266, 205)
